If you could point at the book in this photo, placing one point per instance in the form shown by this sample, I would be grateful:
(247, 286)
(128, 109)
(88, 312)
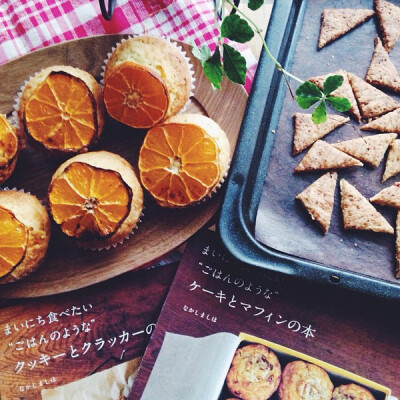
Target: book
(216, 304)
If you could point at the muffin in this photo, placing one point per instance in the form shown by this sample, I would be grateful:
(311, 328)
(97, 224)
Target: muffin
(304, 381)
(352, 392)
(24, 234)
(9, 148)
(146, 80)
(184, 160)
(96, 199)
(254, 374)
(61, 110)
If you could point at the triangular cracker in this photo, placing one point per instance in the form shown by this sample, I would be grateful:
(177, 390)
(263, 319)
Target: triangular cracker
(388, 197)
(382, 72)
(337, 22)
(344, 90)
(359, 213)
(389, 122)
(318, 199)
(372, 102)
(306, 132)
(324, 156)
(398, 245)
(389, 22)
(393, 161)
(368, 149)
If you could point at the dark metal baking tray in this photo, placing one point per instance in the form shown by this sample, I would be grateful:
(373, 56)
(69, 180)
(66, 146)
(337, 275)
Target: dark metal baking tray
(291, 39)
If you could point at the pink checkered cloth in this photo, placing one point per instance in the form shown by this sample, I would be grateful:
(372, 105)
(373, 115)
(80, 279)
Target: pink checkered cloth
(26, 25)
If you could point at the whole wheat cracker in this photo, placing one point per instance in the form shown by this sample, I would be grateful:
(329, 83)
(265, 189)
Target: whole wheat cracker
(359, 213)
(392, 167)
(372, 102)
(344, 90)
(336, 22)
(306, 132)
(318, 199)
(397, 270)
(389, 22)
(368, 149)
(323, 156)
(382, 72)
(389, 122)
(389, 196)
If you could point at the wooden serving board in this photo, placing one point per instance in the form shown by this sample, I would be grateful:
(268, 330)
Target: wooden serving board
(67, 267)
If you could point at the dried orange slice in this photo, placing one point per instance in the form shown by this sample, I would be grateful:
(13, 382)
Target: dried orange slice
(95, 198)
(8, 148)
(153, 62)
(183, 160)
(61, 109)
(135, 96)
(13, 241)
(24, 234)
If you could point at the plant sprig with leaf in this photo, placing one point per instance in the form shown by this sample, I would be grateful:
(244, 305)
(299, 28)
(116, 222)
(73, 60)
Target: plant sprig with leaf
(226, 60)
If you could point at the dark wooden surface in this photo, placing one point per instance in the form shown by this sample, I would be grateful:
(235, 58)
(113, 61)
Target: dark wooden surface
(283, 223)
(354, 332)
(128, 303)
(161, 230)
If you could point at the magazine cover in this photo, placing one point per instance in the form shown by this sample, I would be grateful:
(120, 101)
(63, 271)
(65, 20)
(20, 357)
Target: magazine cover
(227, 328)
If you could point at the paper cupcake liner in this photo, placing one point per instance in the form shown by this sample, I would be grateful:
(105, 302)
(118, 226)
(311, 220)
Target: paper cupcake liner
(14, 116)
(174, 44)
(114, 245)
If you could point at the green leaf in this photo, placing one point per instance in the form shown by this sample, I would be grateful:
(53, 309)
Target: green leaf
(319, 114)
(202, 54)
(332, 83)
(234, 65)
(306, 102)
(308, 89)
(339, 103)
(255, 4)
(237, 29)
(213, 69)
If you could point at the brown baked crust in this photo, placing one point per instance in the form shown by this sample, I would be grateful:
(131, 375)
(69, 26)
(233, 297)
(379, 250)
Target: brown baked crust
(28, 210)
(114, 162)
(93, 86)
(304, 381)
(163, 59)
(352, 392)
(254, 374)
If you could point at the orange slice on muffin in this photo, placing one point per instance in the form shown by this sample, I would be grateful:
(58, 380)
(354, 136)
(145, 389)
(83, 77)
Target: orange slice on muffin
(146, 80)
(61, 108)
(24, 234)
(13, 241)
(135, 96)
(95, 198)
(183, 161)
(9, 146)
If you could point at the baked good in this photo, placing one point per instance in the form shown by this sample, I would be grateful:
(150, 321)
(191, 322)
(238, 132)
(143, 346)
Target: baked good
(323, 156)
(304, 381)
(184, 160)
(368, 149)
(24, 234)
(392, 166)
(61, 109)
(96, 199)
(254, 374)
(382, 71)
(389, 122)
(353, 392)
(146, 80)
(335, 22)
(359, 213)
(306, 132)
(318, 199)
(9, 148)
(389, 22)
(389, 196)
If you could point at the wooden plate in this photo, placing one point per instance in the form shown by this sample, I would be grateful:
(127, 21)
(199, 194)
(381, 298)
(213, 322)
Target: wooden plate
(67, 267)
